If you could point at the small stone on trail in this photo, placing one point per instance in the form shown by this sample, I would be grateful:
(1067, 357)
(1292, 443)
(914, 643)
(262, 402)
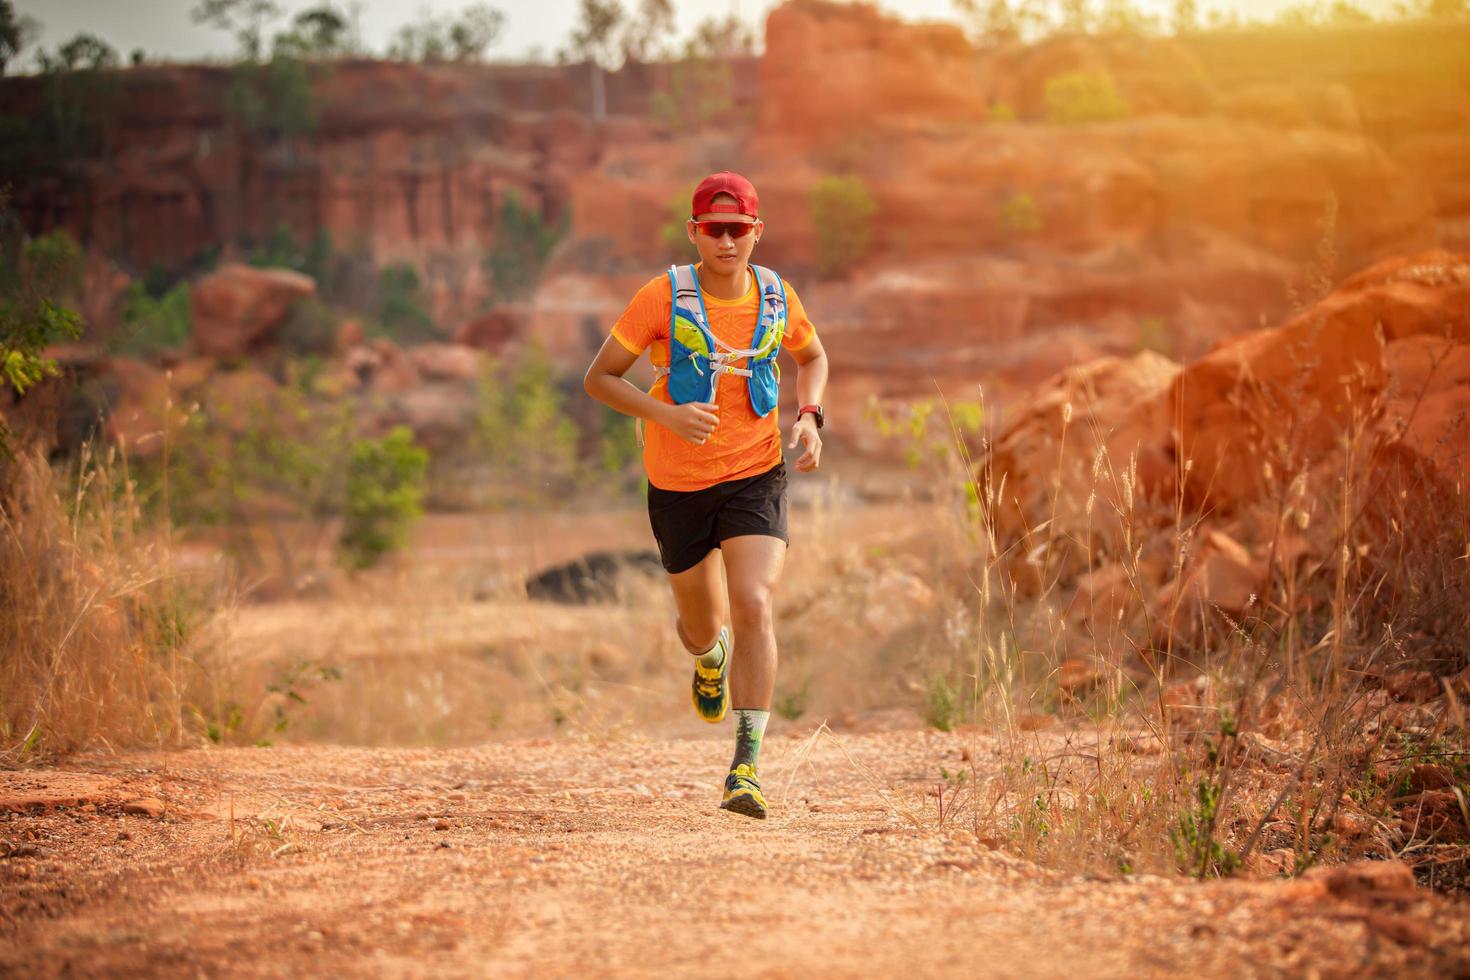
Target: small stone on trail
(441, 824)
(145, 807)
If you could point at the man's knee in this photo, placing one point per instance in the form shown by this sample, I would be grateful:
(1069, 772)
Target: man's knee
(751, 606)
(698, 636)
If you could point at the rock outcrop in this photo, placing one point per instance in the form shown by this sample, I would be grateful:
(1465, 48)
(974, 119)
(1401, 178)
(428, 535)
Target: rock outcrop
(237, 307)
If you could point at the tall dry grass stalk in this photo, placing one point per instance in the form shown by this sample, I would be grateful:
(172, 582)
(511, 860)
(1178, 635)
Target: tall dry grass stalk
(104, 641)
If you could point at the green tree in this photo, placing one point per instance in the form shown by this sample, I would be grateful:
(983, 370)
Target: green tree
(1343, 13)
(1082, 97)
(727, 38)
(85, 53)
(1186, 16)
(991, 20)
(78, 95)
(320, 31)
(462, 37)
(1122, 17)
(246, 19)
(643, 38)
(36, 277)
(384, 496)
(594, 42)
(15, 33)
(842, 212)
(472, 33)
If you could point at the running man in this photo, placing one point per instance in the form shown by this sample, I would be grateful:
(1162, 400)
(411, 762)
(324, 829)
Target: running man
(712, 452)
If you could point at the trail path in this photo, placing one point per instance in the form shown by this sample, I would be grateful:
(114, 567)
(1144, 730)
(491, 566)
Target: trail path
(545, 858)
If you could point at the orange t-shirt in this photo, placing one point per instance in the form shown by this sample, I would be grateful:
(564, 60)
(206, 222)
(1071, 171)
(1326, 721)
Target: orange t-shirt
(743, 444)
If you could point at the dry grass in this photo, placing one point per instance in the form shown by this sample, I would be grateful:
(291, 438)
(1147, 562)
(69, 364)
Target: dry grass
(1203, 738)
(106, 641)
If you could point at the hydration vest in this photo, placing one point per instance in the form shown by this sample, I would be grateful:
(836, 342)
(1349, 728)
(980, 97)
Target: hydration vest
(697, 357)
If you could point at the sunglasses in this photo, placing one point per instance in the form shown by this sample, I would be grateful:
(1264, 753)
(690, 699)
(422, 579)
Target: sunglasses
(719, 229)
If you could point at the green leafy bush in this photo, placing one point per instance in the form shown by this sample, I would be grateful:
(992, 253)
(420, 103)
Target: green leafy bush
(152, 325)
(310, 328)
(401, 306)
(1018, 215)
(523, 240)
(1083, 97)
(35, 277)
(384, 496)
(283, 250)
(842, 211)
(522, 423)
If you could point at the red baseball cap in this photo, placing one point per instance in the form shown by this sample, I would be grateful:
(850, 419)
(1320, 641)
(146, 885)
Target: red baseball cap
(725, 182)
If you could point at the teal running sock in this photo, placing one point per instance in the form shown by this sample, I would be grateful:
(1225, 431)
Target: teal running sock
(715, 655)
(750, 727)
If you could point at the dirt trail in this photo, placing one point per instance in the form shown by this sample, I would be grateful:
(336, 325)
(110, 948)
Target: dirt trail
(548, 857)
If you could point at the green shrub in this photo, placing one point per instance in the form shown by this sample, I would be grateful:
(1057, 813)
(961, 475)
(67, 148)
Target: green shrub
(310, 327)
(151, 326)
(842, 211)
(1002, 113)
(675, 233)
(1083, 97)
(523, 240)
(1018, 215)
(401, 306)
(384, 496)
(283, 250)
(522, 423)
(942, 709)
(35, 278)
(274, 99)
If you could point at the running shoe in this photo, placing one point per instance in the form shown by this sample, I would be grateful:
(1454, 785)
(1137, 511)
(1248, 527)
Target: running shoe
(711, 689)
(743, 793)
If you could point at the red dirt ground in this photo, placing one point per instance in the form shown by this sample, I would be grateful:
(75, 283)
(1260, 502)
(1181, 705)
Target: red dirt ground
(541, 858)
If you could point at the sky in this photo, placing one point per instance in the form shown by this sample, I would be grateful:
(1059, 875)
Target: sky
(163, 28)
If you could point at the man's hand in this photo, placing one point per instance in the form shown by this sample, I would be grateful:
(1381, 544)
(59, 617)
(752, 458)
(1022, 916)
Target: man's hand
(692, 421)
(805, 432)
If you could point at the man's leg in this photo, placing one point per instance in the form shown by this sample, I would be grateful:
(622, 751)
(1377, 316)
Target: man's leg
(699, 594)
(753, 565)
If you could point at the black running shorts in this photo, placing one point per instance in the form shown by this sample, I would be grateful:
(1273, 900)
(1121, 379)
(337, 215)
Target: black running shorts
(689, 525)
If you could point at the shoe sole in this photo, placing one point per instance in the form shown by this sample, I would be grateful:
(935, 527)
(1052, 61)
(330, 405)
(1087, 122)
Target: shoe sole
(744, 805)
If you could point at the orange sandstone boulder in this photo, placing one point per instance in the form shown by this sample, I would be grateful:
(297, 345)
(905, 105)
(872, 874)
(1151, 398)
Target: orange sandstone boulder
(1263, 405)
(446, 362)
(831, 70)
(237, 307)
(1114, 459)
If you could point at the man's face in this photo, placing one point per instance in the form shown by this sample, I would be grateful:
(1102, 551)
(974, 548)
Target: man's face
(727, 252)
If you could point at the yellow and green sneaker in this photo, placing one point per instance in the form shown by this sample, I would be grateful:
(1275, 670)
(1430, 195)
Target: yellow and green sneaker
(711, 688)
(743, 793)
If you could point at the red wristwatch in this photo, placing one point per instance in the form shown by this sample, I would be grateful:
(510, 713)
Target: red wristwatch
(815, 410)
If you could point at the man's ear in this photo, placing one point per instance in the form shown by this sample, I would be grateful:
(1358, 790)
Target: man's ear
(691, 231)
(759, 229)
